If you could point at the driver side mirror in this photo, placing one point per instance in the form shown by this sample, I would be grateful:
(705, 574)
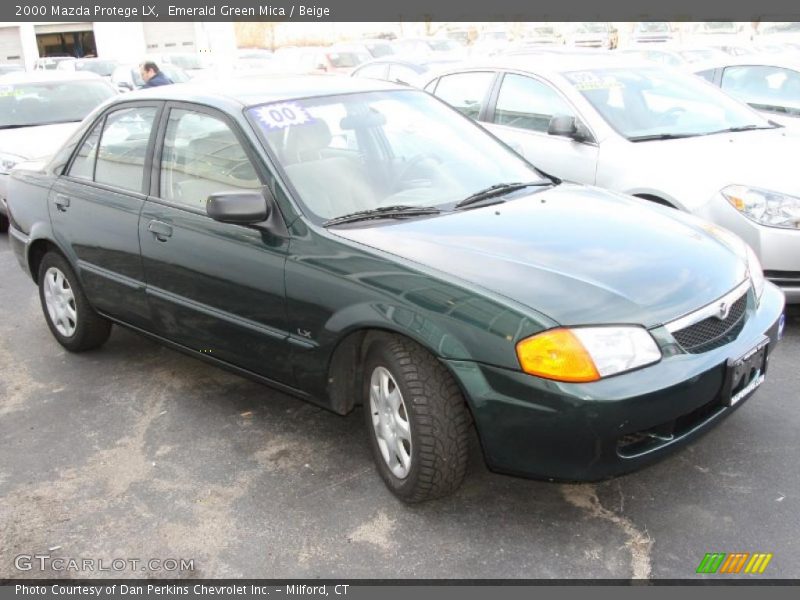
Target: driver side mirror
(242, 208)
(570, 127)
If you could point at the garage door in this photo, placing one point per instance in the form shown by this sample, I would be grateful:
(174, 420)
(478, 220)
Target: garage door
(10, 46)
(161, 38)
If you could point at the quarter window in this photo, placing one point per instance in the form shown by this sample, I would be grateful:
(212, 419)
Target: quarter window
(528, 104)
(202, 156)
(83, 165)
(465, 91)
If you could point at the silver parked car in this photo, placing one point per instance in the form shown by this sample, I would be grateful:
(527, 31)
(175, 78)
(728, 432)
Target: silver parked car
(38, 112)
(649, 131)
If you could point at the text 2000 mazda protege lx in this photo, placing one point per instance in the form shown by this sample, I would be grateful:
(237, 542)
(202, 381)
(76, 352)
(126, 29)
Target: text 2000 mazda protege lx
(358, 243)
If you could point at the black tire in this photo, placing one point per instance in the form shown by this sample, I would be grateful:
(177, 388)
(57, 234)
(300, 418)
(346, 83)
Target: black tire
(435, 411)
(90, 329)
(3, 223)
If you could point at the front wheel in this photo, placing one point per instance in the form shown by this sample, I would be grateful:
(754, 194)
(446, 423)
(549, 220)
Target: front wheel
(3, 223)
(417, 420)
(70, 317)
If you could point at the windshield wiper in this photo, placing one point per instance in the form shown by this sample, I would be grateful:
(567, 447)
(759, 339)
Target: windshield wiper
(740, 128)
(499, 189)
(662, 136)
(384, 212)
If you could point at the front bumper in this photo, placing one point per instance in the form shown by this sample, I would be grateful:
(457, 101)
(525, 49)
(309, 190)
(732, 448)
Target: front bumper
(778, 249)
(544, 429)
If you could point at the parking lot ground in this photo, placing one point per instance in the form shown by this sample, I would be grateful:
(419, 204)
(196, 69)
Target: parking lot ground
(136, 451)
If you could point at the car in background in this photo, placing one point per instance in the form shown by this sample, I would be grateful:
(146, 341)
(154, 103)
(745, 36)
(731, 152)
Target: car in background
(253, 61)
(658, 133)
(126, 78)
(308, 60)
(100, 66)
(768, 83)
(777, 34)
(717, 34)
(652, 32)
(50, 63)
(38, 112)
(674, 56)
(540, 34)
(406, 72)
(376, 48)
(593, 34)
(427, 47)
(463, 36)
(491, 41)
(191, 63)
(358, 243)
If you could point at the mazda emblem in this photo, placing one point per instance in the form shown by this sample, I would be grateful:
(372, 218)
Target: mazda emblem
(724, 311)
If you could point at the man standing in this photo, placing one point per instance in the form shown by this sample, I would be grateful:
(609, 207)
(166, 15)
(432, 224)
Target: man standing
(152, 75)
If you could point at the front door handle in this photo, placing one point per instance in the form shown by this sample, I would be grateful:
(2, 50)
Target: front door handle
(160, 230)
(62, 202)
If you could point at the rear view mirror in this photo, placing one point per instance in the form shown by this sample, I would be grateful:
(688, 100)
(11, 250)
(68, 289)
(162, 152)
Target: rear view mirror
(243, 208)
(568, 126)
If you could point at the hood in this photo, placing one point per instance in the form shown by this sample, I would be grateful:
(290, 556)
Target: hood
(701, 166)
(37, 142)
(578, 255)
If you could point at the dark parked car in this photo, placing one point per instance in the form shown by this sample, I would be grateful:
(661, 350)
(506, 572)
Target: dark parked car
(327, 237)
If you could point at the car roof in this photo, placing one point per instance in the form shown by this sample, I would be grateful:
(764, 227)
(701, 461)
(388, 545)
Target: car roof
(49, 76)
(557, 63)
(251, 91)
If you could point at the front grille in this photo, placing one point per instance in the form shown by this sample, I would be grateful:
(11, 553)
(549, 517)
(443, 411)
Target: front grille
(713, 332)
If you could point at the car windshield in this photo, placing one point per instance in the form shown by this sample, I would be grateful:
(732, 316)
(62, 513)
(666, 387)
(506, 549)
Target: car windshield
(779, 28)
(356, 152)
(442, 45)
(717, 27)
(29, 104)
(187, 61)
(102, 67)
(379, 50)
(591, 28)
(347, 60)
(649, 27)
(650, 101)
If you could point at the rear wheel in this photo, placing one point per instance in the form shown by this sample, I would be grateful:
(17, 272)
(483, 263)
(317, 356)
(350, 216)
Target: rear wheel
(417, 420)
(3, 223)
(71, 319)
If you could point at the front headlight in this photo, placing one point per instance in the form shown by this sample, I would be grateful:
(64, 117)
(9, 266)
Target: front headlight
(582, 354)
(773, 209)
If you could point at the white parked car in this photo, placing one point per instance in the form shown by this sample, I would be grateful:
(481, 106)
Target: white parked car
(38, 112)
(649, 131)
(769, 83)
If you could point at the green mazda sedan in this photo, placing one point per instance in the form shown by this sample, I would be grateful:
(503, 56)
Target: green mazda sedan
(358, 243)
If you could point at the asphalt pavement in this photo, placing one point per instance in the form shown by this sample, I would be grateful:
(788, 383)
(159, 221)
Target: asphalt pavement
(135, 451)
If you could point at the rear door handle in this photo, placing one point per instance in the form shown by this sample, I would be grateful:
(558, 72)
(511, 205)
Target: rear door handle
(160, 230)
(62, 202)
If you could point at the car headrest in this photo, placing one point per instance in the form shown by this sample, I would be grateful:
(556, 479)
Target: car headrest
(303, 142)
